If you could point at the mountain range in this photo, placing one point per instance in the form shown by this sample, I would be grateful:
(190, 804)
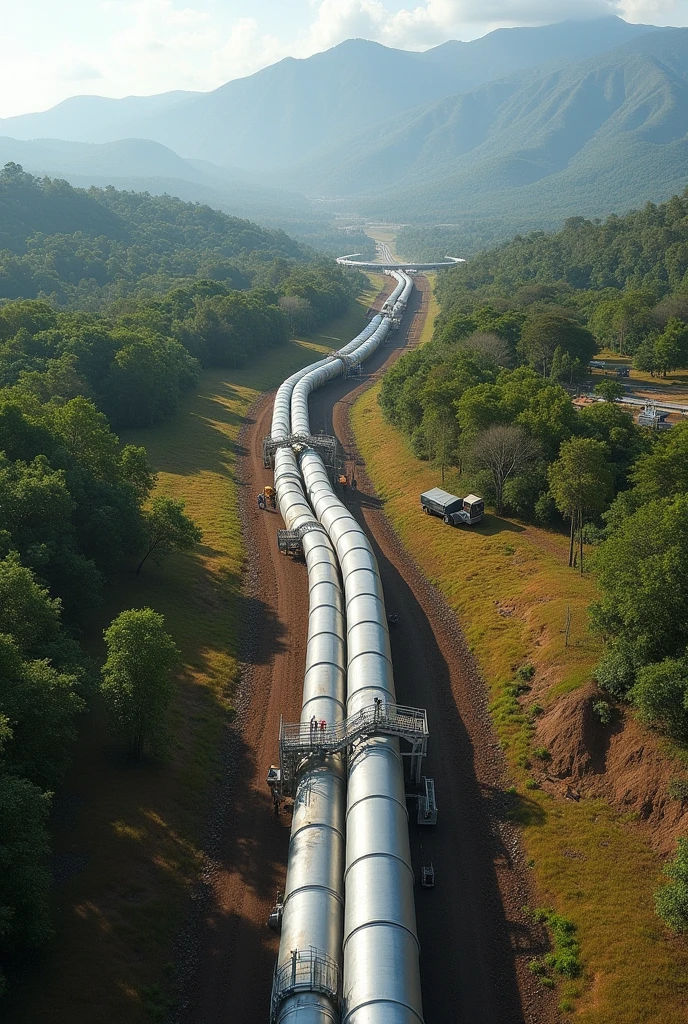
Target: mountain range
(580, 117)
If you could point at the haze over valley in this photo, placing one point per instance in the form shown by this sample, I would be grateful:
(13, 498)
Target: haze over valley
(515, 130)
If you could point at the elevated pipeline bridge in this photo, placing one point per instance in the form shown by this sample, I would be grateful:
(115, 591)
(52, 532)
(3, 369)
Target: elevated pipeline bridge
(300, 743)
(352, 261)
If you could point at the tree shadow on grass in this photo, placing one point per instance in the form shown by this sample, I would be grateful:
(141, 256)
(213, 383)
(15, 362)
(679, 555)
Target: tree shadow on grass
(492, 525)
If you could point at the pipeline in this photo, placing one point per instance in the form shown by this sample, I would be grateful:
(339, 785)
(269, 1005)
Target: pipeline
(381, 951)
(313, 899)
(381, 978)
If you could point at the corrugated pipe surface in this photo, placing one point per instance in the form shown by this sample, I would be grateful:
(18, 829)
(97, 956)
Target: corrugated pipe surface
(313, 898)
(381, 970)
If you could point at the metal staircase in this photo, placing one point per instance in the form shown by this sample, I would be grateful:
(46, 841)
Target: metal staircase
(300, 743)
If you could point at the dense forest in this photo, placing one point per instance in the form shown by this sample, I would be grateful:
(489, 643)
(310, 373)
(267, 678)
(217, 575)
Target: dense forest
(491, 396)
(85, 248)
(643, 246)
(113, 303)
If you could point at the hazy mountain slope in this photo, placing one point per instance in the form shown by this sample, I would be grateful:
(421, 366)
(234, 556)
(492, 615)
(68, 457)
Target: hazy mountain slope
(142, 166)
(126, 158)
(609, 130)
(298, 108)
(506, 50)
(90, 118)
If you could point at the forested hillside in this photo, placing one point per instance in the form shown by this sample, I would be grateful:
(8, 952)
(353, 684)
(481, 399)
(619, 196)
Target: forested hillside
(86, 247)
(110, 305)
(491, 394)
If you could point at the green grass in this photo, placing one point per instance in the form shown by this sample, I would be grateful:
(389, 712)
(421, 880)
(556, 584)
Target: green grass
(127, 837)
(510, 588)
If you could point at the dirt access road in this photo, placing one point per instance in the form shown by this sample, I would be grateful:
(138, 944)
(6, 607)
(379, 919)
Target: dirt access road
(475, 941)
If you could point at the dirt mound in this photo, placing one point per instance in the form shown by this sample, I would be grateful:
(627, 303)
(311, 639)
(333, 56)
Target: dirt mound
(620, 762)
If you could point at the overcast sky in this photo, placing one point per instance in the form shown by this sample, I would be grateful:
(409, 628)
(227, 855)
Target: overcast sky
(50, 49)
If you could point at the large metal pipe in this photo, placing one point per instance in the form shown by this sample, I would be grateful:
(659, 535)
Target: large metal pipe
(313, 899)
(381, 969)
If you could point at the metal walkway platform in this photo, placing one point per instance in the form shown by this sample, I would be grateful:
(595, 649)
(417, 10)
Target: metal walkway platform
(323, 444)
(299, 744)
(290, 542)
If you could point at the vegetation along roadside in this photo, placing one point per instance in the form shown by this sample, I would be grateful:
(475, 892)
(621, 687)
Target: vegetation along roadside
(525, 616)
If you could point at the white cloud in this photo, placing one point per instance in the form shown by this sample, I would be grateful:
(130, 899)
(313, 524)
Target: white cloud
(120, 47)
(245, 51)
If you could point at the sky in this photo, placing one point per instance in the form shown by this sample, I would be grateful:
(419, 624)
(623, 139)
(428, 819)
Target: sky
(53, 49)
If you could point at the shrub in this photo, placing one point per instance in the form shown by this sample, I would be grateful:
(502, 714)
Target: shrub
(678, 789)
(542, 753)
(565, 957)
(616, 672)
(671, 901)
(603, 711)
(660, 696)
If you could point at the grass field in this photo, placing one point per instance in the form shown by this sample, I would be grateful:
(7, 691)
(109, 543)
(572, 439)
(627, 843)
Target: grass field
(510, 587)
(127, 837)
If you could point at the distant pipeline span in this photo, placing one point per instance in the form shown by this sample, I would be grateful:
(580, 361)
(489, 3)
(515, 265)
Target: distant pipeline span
(352, 261)
(349, 951)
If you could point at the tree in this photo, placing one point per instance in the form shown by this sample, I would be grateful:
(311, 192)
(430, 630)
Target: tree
(41, 705)
(645, 358)
(544, 333)
(581, 483)
(442, 434)
(610, 390)
(623, 321)
(671, 901)
(168, 528)
(671, 346)
(137, 684)
(503, 450)
(663, 471)
(25, 880)
(489, 350)
(86, 435)
(641, 572)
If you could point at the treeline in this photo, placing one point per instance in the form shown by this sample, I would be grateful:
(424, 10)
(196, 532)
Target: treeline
(135, 360)
(487, 398)
(71, 514)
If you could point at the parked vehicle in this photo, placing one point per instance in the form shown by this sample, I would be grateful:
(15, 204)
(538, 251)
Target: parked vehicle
(454, 511)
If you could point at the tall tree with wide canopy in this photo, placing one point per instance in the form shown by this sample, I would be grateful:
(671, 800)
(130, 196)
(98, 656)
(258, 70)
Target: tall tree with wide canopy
(581, 484)
(137, 684)
(503, 450)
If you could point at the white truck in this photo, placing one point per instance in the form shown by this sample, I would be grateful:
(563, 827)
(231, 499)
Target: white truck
(454, 511)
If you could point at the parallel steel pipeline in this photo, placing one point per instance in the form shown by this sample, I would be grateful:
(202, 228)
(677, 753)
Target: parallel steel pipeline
(313, 899)
(380, 948)
(381, 951)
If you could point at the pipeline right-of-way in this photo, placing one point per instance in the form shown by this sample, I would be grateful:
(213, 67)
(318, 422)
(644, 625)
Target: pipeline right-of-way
(349, 950)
